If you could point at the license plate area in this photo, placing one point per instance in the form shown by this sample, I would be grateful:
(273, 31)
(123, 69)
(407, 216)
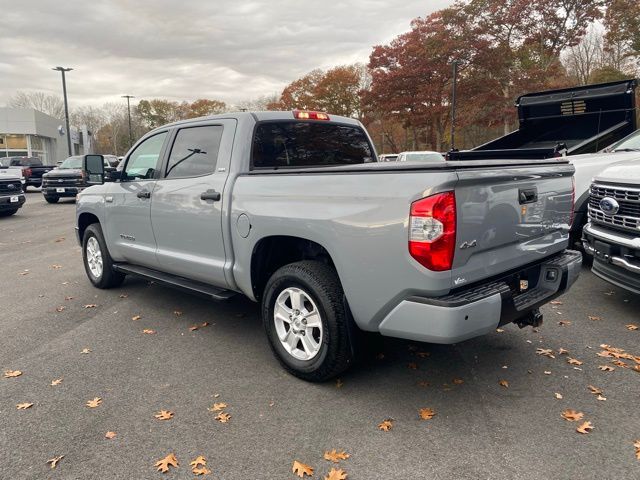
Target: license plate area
(60, 190)
(14, 199)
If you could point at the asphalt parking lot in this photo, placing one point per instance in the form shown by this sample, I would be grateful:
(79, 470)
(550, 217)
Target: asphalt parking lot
(497, 414)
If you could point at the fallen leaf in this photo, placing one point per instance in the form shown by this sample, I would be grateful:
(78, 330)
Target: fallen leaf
(591, 317)
(94, 403)
(169, 460)
(339, 383)
(335, 456)
(197, 471)
(555, 302)
(606, 368)
(55, 460)
(558, 396)
(572, 415)
(193, 328)
(86, 350)
(24, 406)
(636, 444)
(620, 363)
(585, 427)
(223, 417)
(504, 383)
(148, 331)
(110, 435)
(177, 313)
(12, 373)
(164, 415)
(123, 295)
(300, 469)
(386, 425)
(336, 474)
(412, 365)
(546, 372)
(135, 318)
(595, 390)
(55, 382)
(60, 239)
(631, 326)
(198, 462)
(61, 308)
(24, 272)
(601, 398)
(426, 413)
(56, 266)
(573, 361)
(499, 330)
(68, 298)
(562, 351)
(204, 324)
(458, 381)
(564, 323)
(90, 305)
(217, 407)
(545, 352)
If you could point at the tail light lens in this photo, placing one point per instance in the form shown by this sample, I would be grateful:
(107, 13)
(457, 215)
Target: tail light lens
(432, 231)
(306, 115)
(573, 200)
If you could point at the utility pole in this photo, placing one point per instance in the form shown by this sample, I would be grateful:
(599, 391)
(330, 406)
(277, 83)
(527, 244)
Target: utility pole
(66, 106)
(453, 103)
(129, 97)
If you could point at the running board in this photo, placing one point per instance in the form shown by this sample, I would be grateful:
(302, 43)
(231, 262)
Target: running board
(182, 283)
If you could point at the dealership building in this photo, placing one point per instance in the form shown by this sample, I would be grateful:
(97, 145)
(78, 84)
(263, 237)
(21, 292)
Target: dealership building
(29, 132)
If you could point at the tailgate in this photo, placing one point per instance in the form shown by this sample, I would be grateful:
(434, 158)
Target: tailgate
(508, 217)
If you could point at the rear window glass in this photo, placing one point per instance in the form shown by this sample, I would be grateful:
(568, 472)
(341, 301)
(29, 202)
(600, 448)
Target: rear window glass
(307, 144)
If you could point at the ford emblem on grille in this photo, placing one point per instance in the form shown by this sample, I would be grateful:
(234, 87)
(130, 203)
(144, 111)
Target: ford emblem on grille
(11, 186)
(609, 206)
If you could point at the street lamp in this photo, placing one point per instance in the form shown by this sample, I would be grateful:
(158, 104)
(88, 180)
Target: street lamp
(129, 97)
(66, 106)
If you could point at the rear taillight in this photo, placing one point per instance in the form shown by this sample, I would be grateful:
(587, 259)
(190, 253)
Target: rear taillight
(573, 200)
(305, 115)
(432, 231)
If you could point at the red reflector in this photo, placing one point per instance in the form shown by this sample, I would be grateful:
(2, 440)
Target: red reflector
(432, 231)
(305, 115)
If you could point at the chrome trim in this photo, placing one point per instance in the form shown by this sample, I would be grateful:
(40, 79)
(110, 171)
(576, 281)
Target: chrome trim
(621, 262)
(607, 236)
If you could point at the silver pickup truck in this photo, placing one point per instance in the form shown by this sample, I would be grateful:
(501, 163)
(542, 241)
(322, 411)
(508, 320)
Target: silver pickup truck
(292, 210)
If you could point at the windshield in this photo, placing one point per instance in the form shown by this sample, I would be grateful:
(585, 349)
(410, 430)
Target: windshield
(71, 162)
(630, 143)
(5, 162)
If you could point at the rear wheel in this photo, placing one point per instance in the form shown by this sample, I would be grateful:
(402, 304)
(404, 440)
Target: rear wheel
(8, 213)
(97, 261)
(306, 320)
(51, 199)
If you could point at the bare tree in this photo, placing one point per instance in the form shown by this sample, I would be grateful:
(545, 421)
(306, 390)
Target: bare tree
(582, 59)
(41, 101)
(257, 104)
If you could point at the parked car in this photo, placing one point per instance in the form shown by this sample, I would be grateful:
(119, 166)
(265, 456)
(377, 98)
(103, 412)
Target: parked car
(32, 169)
(388, 157)
(422, 156)
(286, 209)
(612, 235)
(69, 179)
(11, 195)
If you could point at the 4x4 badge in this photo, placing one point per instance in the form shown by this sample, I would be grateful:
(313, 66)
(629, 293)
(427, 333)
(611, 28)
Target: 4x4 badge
(470, 244)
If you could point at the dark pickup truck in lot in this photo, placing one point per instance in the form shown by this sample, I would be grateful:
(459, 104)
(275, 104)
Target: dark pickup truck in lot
(69, 179)
(11, 194)
(32, 168)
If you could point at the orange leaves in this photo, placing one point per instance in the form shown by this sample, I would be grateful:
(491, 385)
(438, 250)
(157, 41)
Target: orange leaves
(595, 390)
(606, 368)
(164, 415)
(199, 466)
(217, 407)
(458, 381)
(90, 305)
(53, 463)
(193, 328)
(386, 425)
(636, 444)
(572, 415)
(56, 382)
(336, 474)
(301, 469)
(12, 373)
(85, 351)
(595, 319)
(94, 403)
(135, 318)
(24, 406)
(223, 417)
(503, 383)
(426, 413)
(545, 352)
(631, 327)
(148, 331)
(166, 462)
(335, 456)
(584, 427)
(61, 308)
(110, 435)
(573, 361)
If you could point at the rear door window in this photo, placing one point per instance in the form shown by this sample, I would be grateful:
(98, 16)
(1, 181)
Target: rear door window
(290, 144)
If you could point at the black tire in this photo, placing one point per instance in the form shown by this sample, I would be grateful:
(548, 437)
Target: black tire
(109, 277)
(8, 213)
(51, 199)
(321, 283)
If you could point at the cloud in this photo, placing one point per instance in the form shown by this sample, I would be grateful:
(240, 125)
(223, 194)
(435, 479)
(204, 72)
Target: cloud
(183, 50)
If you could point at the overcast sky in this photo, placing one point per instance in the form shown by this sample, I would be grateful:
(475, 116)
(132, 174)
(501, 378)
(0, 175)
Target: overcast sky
(230, 50)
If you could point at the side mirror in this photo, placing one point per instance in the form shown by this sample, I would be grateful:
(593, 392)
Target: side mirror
(94, 166)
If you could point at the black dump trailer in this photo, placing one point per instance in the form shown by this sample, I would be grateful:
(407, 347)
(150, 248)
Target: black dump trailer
(568, 121)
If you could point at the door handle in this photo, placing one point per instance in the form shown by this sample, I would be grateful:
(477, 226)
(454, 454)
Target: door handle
(210, 195)
(527, 195)
(144, 194)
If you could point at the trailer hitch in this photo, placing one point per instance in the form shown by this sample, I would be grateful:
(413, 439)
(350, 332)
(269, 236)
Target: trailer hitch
(533, 318)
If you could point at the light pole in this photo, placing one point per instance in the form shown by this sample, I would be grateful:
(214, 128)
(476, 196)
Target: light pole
(66, 106)
(453, 103)
(129, 97)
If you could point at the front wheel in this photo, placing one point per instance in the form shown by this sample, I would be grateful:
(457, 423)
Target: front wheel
(97, 261)
(306, 320)
(52, 199)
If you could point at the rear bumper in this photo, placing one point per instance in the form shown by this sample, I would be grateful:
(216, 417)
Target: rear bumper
(616, 256)
(7, 204)
(474, 311)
